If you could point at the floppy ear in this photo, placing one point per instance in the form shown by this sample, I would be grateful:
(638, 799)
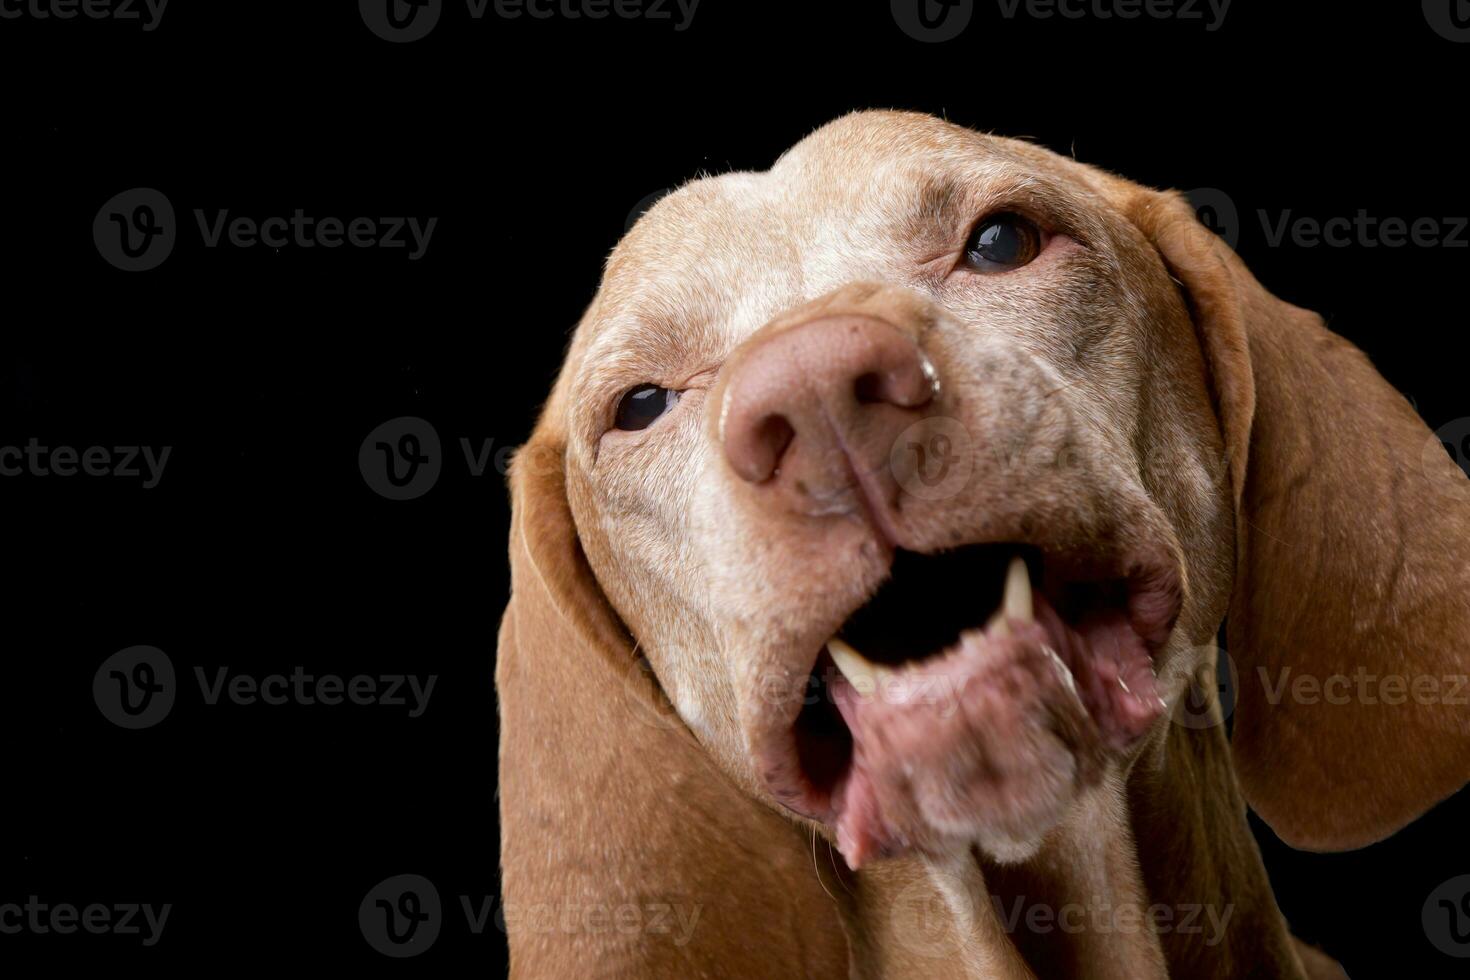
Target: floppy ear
(624, 851)
(1350, 618)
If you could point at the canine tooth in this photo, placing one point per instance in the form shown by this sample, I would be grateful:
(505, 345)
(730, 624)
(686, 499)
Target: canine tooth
(860, 672)
(1017, 601)
(997, 625)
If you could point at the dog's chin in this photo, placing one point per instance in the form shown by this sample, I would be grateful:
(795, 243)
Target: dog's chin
(970, 699)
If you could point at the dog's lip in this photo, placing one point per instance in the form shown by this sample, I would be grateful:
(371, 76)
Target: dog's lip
(1154, 598)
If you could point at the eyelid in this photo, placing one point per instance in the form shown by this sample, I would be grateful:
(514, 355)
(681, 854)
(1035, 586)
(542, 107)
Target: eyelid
(1043, 228)
(696, 379)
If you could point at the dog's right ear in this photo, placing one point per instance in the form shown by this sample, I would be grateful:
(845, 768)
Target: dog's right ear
(1352, 562)
(624, 850)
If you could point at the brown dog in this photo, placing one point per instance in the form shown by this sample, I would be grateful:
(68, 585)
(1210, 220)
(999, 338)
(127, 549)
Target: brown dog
(922, 470)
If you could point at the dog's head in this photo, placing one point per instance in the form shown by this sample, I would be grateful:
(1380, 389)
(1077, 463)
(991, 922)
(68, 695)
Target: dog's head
(924, 467)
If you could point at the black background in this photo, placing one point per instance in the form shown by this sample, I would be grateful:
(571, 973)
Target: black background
(262, 548)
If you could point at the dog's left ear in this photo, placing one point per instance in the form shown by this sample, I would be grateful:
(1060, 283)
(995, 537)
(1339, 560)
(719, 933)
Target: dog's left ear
(1350, 618)
(624, 850)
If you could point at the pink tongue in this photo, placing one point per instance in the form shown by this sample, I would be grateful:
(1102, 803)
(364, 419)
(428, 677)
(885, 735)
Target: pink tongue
(946, 741)
(1112, 668)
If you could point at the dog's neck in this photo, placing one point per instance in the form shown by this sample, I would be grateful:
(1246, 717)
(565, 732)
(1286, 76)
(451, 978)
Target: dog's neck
(1091, 904)
(1183, 795)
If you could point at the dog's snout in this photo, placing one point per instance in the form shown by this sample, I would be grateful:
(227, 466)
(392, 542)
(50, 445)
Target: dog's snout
(828, 394)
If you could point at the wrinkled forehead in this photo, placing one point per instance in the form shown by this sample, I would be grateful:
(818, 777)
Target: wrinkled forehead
(864, 197)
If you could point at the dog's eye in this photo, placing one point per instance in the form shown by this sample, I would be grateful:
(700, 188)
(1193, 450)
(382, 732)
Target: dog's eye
(642, 406)
(1000, 242)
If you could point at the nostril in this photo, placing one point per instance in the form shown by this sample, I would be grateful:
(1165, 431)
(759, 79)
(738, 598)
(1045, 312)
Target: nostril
(869, 388)
(773, 435)
(756, 445)
(908, 386)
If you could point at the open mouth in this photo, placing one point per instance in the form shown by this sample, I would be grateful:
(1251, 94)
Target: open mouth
(928, 689)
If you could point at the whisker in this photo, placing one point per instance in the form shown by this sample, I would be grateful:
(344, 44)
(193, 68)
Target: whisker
(817, 868)
(832, 858)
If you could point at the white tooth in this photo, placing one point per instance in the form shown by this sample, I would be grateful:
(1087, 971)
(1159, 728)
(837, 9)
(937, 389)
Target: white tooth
(1063, 670)
(1017, 601)
(860, 672)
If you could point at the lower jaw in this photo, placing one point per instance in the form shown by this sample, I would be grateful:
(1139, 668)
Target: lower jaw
(989, 741)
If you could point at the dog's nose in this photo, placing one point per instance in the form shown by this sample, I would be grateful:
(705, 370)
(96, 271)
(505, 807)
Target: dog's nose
(817, 404)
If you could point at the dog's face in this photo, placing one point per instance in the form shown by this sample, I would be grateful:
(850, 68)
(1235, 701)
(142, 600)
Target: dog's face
(934, 395)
